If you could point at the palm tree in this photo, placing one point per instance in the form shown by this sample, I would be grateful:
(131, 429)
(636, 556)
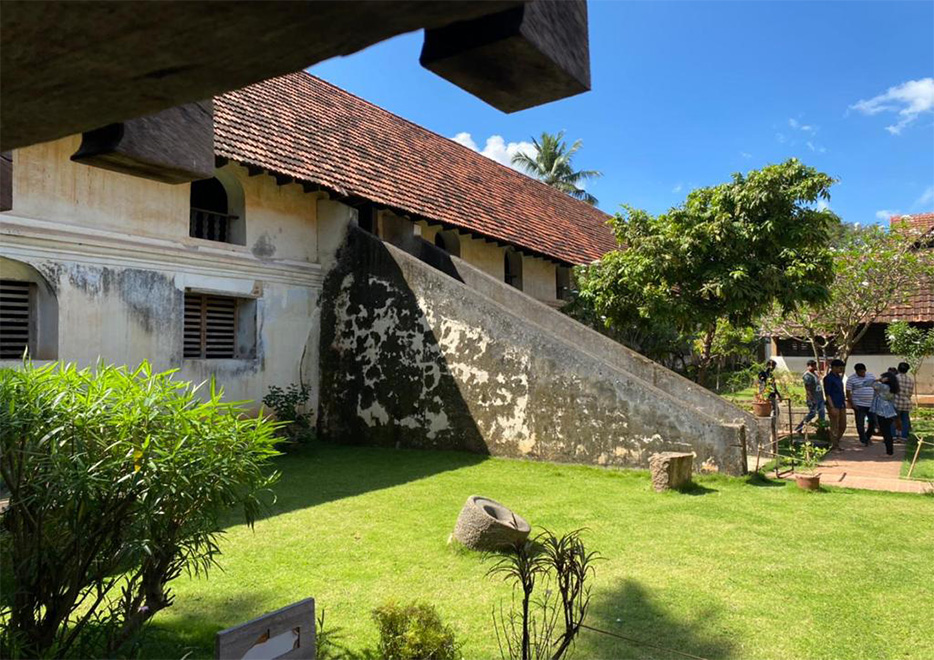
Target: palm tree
(551, 164)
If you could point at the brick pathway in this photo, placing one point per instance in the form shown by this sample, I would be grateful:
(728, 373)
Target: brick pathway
(869, 468)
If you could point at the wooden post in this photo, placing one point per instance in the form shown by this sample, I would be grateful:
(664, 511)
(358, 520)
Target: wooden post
(915, 459)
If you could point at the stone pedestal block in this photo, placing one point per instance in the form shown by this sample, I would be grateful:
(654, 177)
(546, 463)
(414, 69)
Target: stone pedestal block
(484, 524)
(671, 470)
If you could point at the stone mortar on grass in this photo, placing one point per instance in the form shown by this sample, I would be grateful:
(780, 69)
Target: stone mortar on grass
(485, 524)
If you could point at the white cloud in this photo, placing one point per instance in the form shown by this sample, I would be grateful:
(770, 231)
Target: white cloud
(781, 137)
(745, 154)
(466, 140)
(885, 214)
(798, 126)
(910, 100)
(927, 197)
(823, 205)
(816, 147)
(497, 148)
(678, 188)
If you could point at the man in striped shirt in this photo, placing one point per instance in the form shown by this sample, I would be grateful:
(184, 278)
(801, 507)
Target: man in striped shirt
(859, 395)
(906, 388)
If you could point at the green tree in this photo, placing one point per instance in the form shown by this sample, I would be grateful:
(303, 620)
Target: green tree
(728, 253)
(875, 268)
(551, 164)
(913, 344)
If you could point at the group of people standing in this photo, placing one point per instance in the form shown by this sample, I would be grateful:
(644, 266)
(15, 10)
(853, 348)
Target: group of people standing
(880, 404)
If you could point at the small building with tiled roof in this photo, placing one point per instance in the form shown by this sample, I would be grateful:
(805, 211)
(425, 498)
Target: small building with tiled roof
(872, 349)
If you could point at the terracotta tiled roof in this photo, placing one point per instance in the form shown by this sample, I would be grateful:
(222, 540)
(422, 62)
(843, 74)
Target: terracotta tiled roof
(920, 307)
(922, 221)
(306, 128)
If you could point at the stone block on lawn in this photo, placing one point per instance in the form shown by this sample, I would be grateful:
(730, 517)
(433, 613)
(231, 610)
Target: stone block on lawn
(671, 470)
(484, 524)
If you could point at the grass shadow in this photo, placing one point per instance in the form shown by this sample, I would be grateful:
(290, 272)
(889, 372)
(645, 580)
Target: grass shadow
(693, 488)
(193, 635)
(323, 472)
(630, 611)
(760, 480)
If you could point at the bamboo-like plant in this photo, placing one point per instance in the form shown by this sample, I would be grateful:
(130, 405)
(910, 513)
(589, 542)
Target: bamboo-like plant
(529, 630)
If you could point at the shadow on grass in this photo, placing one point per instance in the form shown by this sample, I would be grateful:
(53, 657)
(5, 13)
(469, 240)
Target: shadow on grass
(192, 637)
(324, 472)
(630, 611)
(760, 480)
(694, 488)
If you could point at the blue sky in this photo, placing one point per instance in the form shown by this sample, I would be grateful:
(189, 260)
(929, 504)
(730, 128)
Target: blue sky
(685, 93)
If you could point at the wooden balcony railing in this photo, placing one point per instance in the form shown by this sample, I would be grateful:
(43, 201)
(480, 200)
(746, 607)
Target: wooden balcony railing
(210, 225)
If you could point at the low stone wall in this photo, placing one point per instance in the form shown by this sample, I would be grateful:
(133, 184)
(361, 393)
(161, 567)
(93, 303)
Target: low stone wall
(412, 357)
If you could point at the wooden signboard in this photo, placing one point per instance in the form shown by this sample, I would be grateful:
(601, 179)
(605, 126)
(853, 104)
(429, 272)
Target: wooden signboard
(288, 634)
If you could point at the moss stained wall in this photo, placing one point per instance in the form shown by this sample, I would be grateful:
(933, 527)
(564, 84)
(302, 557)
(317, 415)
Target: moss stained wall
(410, 356)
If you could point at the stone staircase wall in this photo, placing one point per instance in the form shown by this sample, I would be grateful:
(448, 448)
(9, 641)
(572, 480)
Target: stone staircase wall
(421, 351)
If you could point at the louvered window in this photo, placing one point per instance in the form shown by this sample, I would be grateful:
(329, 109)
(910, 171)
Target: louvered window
(17, 318)
(210, 326)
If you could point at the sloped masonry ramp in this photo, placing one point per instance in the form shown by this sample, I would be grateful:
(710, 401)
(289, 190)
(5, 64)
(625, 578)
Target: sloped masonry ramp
(422, 350)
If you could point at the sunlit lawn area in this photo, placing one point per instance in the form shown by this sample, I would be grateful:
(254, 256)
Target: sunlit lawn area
(735, 569)
(924, 468)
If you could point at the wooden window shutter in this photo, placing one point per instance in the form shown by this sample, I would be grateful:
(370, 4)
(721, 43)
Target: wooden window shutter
(210, 326)
(17, 318)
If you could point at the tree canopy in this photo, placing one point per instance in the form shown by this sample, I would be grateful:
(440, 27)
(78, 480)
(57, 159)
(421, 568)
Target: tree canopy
(729, 252)
(875, 269)
(551, 164)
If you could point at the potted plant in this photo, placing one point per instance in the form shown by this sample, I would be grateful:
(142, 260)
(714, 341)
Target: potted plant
(761, 407)
(807, 458)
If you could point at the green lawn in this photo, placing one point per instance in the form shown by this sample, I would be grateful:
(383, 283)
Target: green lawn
(733, 570)
(924, 468)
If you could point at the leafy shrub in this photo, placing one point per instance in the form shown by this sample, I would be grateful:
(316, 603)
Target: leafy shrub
(287, 406)
(413, 632)
(117, 482)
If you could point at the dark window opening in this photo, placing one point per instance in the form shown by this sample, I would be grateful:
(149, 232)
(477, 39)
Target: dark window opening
(513, 269)
(17, 319)
(210, 218)
(6, 181)
(449, 242)
(562, 283)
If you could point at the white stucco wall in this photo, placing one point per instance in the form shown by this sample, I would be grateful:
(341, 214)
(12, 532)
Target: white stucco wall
(875, 364)
(538, 278)
(116, 251)
(488, 257)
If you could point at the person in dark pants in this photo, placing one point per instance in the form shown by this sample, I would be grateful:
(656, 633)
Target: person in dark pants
(836, 402)
(859, 394)
(883, 407)
(815, 395)
(903, 402)
(768, 388)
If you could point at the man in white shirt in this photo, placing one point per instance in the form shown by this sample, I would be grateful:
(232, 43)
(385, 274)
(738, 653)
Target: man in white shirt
(859, 395)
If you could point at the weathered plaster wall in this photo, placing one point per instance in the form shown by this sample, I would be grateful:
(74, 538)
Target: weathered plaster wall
(413, 357)
(615, 354)
(538, 278)
(428, 232)
(488, 257)
(116, 251)
(49, 186)
(280, 220)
